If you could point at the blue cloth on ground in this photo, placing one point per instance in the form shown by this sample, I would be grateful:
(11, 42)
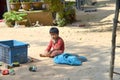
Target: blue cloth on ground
(82, 58)
(69, 59)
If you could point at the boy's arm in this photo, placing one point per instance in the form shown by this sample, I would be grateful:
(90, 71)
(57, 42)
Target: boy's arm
(59, 44)
(49, 46)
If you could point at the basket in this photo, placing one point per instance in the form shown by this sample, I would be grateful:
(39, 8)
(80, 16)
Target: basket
(13, 51)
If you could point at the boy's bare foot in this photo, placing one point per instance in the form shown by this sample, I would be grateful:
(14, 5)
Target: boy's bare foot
(42, 55)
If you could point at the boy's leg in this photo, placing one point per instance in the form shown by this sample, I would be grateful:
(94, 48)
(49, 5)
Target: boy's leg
(55, 53)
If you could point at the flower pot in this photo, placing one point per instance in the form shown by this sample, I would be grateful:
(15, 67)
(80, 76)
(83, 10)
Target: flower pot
(23, 22)
(37, 5)
(10, 24)
(15, 6)
(46, 5)
(26, 5)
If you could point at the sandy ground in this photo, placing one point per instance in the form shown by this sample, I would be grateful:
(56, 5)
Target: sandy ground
(92, 40)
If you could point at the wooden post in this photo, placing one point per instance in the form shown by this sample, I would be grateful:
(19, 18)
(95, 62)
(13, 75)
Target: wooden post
(8, 6)
(114, 39)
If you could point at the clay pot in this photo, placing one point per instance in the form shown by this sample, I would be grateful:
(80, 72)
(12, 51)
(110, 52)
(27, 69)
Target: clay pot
(26, 5)
(37, 5)
(15, 6)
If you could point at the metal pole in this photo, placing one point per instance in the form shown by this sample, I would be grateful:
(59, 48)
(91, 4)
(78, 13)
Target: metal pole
(114, 39)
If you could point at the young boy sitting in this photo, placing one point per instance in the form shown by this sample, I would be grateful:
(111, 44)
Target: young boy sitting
(55, 46)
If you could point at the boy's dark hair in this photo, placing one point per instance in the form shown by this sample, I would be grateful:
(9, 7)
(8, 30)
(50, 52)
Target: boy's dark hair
(54, 30)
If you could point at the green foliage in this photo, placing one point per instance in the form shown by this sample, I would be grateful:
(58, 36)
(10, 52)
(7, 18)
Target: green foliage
(12, 17)
(69, 8)
(27, 1)
(65, 12)
(67, 16)
(69, 12)
(61, 22)
(12, 1)
(37, 0)
(55, 5)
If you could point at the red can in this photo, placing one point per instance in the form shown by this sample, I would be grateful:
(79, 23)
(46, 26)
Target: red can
(5, 72)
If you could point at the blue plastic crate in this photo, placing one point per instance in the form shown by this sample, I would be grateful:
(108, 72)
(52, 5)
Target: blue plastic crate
(13, 51)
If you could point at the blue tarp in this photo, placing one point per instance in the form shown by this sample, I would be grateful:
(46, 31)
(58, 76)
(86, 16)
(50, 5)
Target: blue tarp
(69, 59)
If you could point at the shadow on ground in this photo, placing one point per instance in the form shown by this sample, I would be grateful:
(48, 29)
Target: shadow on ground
(96, 68)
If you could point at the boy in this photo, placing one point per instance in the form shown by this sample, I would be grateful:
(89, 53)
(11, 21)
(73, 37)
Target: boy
(55, 46)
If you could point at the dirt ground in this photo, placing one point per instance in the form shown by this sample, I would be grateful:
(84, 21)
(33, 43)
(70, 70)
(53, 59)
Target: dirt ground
(93, 40)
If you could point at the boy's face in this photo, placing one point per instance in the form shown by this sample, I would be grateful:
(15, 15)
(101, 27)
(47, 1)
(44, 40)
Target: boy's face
(54, 36)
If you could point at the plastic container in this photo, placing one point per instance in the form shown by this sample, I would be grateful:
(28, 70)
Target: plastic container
(13, 51)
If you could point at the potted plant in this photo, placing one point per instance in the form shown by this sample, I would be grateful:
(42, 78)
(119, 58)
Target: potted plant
(67, 16)
(64, 12)
(14, 5)
(55, 5)
(57, 9)
(13, 17)
(69, 12)
(26, 4)
(37, 4)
